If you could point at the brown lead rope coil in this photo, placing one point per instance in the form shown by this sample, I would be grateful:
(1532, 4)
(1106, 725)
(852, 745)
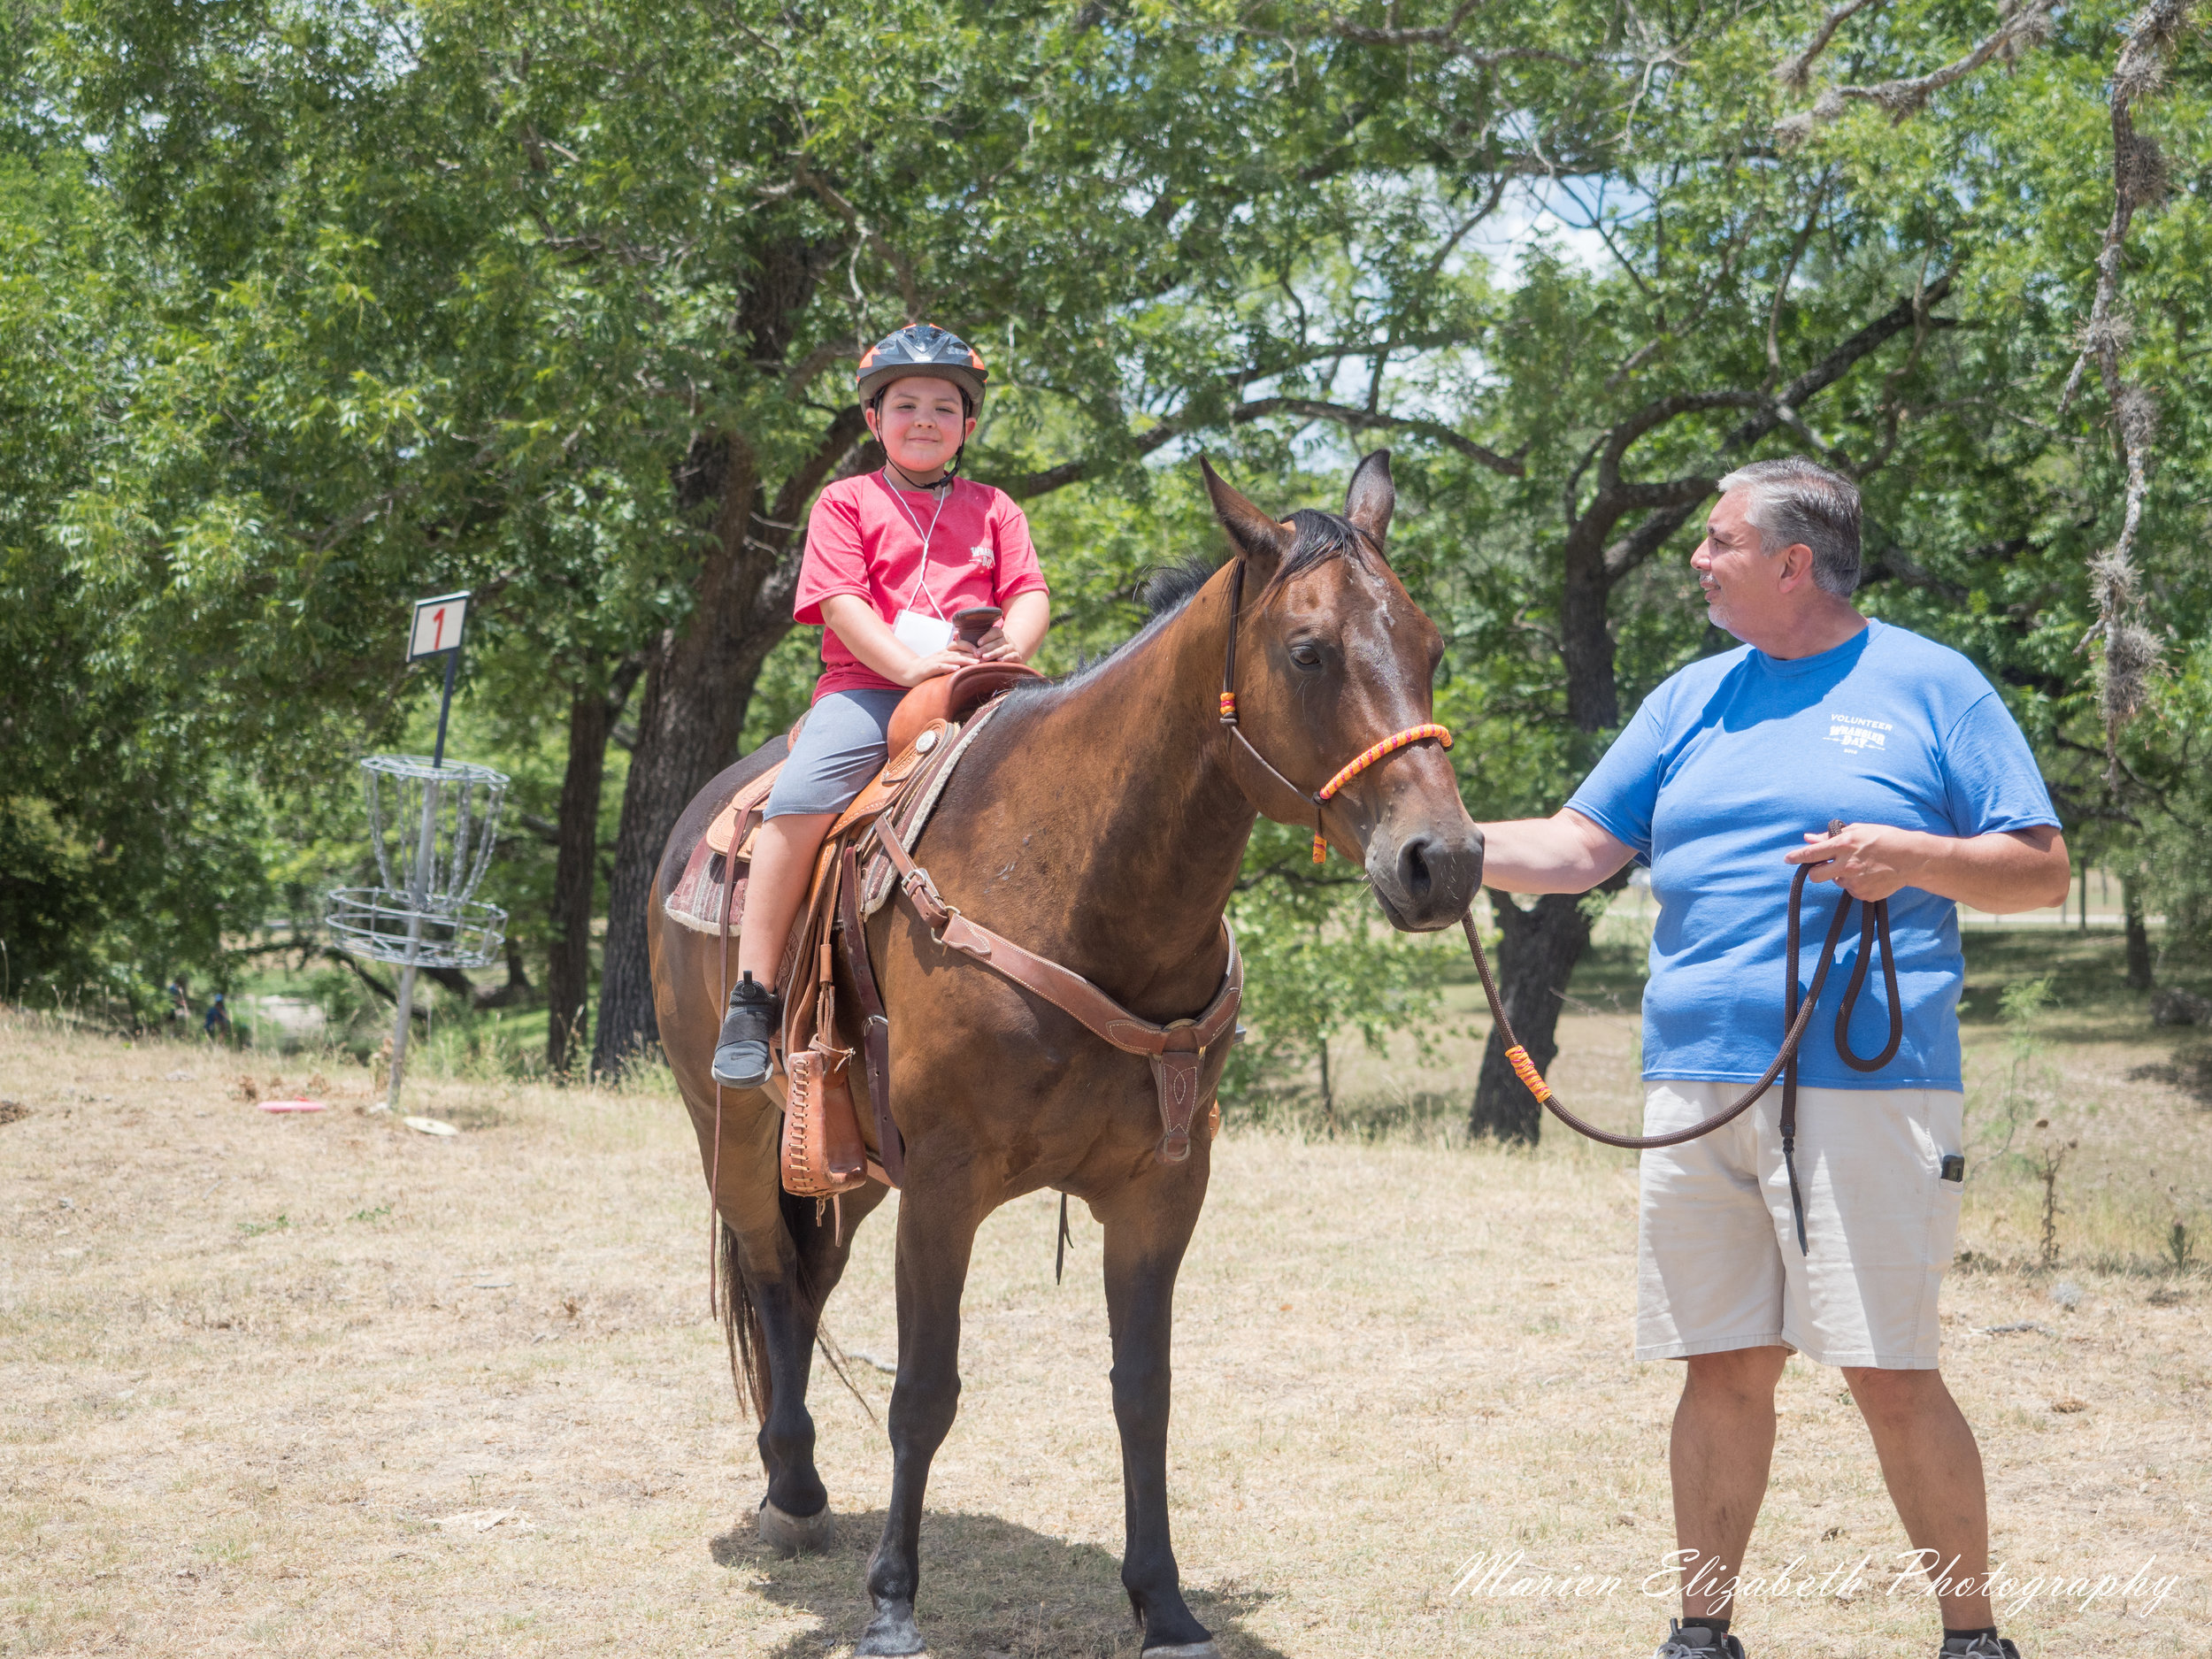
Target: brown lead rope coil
(1874, 921)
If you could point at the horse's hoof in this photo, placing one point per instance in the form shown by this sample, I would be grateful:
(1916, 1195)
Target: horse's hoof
(1184, 1650)
(794, 1534)
(892, 1631)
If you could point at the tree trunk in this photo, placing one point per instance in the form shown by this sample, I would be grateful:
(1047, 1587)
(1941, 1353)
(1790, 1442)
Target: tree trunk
(1535, 958)
(1586, 643)
(698, 680)
(2139, 935)
(688, 727)
(575, 870)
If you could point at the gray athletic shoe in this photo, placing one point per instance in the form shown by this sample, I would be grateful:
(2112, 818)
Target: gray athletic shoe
(740, 1051)
(1977, 1648)
(1699, 1643)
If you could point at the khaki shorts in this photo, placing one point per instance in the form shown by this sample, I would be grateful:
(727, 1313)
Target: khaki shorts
(1717, 1265)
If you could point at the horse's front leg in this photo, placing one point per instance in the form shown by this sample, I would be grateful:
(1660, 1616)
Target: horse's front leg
(938, 1217)
(1147, 1227)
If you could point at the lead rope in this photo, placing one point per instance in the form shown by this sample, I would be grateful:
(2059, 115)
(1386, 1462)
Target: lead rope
(1874, 921)
(714, 1164)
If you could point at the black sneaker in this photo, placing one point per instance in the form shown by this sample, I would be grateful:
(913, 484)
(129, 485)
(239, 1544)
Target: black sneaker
(740, 1053)
(1701, 1642)
(1977, 1648)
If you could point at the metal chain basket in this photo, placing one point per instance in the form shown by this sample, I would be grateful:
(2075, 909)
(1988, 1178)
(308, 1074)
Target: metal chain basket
(433, 828)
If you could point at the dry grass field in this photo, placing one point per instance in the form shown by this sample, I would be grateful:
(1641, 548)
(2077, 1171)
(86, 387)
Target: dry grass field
(321, 1385)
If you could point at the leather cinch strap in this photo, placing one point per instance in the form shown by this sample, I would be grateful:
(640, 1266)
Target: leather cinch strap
(1268, 789)
(875, 1026)
(1176, 1050)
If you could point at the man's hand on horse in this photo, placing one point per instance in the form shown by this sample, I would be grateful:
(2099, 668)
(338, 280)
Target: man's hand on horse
(1869, 861)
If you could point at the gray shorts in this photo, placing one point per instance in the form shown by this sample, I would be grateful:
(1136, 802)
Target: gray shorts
(1718, 1263)
(843, 743)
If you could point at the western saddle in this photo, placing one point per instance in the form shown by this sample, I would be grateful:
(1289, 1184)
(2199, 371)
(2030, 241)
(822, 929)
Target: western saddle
(866, 850)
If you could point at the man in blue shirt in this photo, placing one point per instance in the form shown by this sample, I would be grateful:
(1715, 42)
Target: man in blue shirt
(1722, 782)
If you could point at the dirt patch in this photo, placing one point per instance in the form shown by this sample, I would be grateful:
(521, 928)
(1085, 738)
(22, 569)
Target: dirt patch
(13, 1111)
(1396, 1360)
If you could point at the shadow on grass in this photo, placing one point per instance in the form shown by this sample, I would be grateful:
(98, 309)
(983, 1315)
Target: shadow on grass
(2190, 1070)
(2090, 998)
(1425, 1117)
(989, 1588)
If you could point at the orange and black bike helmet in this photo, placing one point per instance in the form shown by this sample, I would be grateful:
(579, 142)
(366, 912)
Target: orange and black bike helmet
(922, 349)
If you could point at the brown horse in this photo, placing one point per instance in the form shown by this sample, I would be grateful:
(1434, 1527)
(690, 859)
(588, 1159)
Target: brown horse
(1100, 821)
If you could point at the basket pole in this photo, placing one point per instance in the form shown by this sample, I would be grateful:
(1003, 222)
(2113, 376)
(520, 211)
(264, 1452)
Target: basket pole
(419, 888)
(445, 706)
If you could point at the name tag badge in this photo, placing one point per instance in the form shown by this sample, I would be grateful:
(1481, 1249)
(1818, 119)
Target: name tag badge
(923, 634)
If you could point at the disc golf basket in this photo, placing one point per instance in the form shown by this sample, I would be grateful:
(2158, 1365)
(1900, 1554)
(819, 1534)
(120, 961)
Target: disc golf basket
(431, 823)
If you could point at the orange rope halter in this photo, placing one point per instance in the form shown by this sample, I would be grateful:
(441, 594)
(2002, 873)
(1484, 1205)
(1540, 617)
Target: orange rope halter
(1389, 745)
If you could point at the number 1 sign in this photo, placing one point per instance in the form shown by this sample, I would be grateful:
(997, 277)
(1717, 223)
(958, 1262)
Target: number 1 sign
(437, 625)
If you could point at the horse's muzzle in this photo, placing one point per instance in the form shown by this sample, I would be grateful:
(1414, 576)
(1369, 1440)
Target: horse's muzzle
(1427, 879)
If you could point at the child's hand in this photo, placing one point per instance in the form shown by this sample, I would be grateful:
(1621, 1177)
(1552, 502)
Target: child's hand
(957, 654)
(997, 647)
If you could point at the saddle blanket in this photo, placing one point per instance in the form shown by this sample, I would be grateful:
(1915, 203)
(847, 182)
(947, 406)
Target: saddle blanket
(695, 901)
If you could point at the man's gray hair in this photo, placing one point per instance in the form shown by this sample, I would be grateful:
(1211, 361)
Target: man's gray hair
(1794, 499)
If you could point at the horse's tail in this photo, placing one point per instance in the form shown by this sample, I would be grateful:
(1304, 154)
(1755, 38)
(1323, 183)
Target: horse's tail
(741, 1328)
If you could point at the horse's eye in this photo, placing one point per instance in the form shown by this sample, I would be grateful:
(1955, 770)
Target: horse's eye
(1305, 655)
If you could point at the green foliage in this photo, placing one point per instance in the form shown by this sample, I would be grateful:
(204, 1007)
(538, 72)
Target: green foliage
(1319, 964)
(2169, 757)
(305, 310)
(49, 896)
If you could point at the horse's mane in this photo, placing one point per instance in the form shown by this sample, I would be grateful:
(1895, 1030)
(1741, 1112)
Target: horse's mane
(1321, 536)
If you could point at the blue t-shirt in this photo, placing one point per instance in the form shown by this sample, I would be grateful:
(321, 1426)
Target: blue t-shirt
(1722, 770)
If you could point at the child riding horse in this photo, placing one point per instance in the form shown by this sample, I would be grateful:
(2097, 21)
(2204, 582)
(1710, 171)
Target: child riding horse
(890, 557)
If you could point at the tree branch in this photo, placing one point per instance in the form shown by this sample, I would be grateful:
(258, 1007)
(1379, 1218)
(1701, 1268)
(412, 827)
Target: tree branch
(1627, 554)
(1369, 420)
(1796, 73)
(2139, 181)
(2023, 24)
(909, 285)
(1052, 477)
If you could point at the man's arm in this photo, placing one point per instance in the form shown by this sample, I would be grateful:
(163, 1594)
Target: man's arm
(2000, 872)
(1564, 853)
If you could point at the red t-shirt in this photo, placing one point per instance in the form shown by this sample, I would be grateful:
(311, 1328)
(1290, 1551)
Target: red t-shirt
(864, 538)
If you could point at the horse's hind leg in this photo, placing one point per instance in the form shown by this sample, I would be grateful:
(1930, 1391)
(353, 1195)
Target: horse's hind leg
(779, 1268)
(786, 1308)
(936, 1234)
(1148, 1226)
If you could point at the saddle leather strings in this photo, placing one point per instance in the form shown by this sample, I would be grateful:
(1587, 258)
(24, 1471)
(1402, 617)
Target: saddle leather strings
(1874, 922)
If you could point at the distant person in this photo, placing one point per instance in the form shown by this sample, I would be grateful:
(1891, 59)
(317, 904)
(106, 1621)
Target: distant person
(217, 1025)
(890, 557)
(1720, 784)
(180, 1004)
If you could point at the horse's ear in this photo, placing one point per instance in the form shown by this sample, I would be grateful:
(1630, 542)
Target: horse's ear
(1369, 501)
(1257, 537)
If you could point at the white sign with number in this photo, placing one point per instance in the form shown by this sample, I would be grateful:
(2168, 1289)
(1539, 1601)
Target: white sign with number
(437, 625)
